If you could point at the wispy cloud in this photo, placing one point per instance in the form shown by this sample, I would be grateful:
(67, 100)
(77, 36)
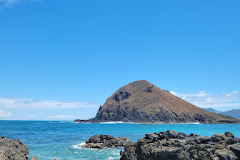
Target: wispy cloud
(205, 100)
(11, 2)
(5, 114)
(13, 103)
(199, 94)
(232, 93)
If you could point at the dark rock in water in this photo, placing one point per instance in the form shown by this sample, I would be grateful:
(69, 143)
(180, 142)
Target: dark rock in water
(83, 121)
(172, 145)
(13, 149)
(102, 141)
(143, 102)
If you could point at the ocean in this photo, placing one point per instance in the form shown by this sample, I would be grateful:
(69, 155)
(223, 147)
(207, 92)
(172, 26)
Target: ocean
(63, 140)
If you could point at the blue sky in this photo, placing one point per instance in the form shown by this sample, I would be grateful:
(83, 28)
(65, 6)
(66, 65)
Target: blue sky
(60, 60)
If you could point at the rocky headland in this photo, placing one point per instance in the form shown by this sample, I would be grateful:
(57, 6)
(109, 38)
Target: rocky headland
(104, 141)
(179, 146)
(143, 102)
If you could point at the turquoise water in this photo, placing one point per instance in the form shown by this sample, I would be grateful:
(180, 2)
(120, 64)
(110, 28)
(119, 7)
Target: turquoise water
(63, 140)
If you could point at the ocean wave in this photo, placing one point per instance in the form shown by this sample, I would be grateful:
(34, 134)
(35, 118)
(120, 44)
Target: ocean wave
(193, 123)
(113, 122)
(78, 146)
(156, 123)
(112, 158)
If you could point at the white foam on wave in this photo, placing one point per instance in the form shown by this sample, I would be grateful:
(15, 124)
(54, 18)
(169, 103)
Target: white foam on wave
(79, 145)
(112, 158)
(156, 123)
(192, 123)
(113, 122)
(116, 122)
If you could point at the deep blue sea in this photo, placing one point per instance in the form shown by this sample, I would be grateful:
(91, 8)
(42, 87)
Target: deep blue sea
(63, 140)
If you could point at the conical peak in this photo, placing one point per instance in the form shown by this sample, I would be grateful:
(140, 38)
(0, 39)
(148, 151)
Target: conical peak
(141, 101)
(141, 84)
(133, 89)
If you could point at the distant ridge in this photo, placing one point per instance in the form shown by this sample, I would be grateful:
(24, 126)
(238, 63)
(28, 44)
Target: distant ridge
(233, 113)
(143, 102)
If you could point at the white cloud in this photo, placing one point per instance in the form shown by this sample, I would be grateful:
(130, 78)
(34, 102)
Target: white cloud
(4, 114)
(204, 100)
(232, 93)
(14, 103)
(199, 94)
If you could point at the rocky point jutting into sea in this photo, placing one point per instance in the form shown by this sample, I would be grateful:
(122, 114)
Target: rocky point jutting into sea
(143, 102)
(171, 145)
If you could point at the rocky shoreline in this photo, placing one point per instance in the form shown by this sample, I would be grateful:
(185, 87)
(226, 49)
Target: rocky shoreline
(179, 146)
(172, 145)
(154, 146)
(95, 121)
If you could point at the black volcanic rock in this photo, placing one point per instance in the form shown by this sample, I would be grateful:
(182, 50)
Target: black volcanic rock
(143, 102)
(13, 149)
(179, 146)
(103, 141)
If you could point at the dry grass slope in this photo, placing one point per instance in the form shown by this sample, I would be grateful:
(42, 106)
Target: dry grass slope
(143, 102)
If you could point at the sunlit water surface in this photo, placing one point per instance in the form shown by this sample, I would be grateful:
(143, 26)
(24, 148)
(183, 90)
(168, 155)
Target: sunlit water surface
(63, 140)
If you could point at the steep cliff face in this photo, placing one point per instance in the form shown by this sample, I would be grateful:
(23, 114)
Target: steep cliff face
(144, 102)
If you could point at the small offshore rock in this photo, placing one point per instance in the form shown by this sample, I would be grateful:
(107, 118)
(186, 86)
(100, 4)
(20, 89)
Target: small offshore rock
(102, 141)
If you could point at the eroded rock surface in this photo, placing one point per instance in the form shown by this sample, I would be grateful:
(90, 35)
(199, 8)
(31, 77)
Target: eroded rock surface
(103, 141)
(13, 149)
(179, 146)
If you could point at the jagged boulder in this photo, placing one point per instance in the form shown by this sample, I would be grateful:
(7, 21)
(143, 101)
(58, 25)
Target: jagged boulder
(103, 141)
(179, 146)
(13, 149)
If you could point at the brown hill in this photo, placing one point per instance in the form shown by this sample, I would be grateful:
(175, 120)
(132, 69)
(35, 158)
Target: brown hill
(144, 102)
